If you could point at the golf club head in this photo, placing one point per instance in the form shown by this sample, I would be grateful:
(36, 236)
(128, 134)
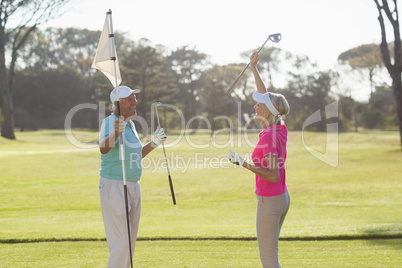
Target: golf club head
(275, 37)
(156, 104)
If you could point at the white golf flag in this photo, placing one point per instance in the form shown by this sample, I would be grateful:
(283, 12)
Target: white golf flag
(103, 57)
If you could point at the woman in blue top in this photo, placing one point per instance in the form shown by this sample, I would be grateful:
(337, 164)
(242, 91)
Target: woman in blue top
(111, 176)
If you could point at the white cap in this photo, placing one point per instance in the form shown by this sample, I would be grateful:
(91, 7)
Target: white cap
(124, 92)
(264, 98)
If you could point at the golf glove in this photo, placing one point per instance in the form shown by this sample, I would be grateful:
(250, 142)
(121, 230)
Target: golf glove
(235, 158)
(159, 136)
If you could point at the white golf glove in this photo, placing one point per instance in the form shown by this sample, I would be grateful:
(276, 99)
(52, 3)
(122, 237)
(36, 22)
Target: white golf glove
(159, 136)
(235, 158)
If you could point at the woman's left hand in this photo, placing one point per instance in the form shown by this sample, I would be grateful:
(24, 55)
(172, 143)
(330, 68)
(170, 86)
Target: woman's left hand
(159, 136)
(235, 158)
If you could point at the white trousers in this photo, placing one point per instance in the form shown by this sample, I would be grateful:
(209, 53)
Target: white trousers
(271, 213)
(114, 219)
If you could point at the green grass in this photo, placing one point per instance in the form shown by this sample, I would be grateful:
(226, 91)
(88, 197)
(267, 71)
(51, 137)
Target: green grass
(294, 254)
(49, 191)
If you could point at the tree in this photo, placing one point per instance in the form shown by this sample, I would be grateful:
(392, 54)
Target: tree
(394, 67)
(32, 14)
(347, 112)
(216, 102)
(362, 58)
(189, 65)
(308, 91)
(145, 67)
(54, 47)
(380, 111)
(43, 98)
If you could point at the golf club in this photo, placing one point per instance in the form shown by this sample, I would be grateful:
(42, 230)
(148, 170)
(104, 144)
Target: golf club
(156, 104)
(274, 38)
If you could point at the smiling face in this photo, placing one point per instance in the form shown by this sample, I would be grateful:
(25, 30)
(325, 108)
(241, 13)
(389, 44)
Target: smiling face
(128, 107)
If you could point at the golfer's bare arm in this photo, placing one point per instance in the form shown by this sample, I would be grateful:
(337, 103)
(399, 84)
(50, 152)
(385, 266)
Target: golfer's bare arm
(270, 173)
(148, 148)
(107, 142)
(258, 81)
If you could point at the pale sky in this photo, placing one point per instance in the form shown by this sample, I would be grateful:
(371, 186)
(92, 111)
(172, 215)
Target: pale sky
(320, 29)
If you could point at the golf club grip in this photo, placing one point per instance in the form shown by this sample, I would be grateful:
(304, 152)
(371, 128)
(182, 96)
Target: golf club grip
(171, 190)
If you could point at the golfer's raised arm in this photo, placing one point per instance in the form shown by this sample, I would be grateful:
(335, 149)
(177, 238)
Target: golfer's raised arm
(253, 66)
(108, 141)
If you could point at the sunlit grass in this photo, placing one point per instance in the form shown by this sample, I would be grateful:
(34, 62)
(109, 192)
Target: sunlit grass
(210, 253)
(55, 193)
(49, 191)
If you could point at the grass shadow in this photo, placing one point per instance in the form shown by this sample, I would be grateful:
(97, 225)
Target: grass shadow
(392, 232)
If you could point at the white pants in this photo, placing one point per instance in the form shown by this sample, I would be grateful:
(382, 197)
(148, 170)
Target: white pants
(114, 219)
(271, 213)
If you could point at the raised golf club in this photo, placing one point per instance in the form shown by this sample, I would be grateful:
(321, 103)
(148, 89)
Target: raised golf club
(274, 38)
(156, 104)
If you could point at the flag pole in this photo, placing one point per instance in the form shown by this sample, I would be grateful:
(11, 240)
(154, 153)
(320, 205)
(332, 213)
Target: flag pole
(121, 143)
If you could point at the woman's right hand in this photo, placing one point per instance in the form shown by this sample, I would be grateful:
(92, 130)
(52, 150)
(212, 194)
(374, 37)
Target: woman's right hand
(254, 59)
(118, 126)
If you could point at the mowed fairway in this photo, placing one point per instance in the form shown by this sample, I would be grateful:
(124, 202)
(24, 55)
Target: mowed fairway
(49, 192)
(241, 254)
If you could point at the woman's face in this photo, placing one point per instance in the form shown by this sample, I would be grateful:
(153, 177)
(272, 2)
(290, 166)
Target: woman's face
(260, 113)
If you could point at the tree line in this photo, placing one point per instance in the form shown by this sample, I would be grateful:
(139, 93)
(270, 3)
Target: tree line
(54, 75)
(184, 77)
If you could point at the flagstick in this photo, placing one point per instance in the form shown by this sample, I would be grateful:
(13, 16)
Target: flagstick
(111, 35)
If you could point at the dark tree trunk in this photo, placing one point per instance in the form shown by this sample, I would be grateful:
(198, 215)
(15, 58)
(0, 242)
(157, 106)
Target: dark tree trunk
(7, 127)
(39, 11)
(395, 69)
(397, 86)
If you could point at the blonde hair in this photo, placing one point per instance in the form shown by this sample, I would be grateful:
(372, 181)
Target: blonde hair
(280, 103)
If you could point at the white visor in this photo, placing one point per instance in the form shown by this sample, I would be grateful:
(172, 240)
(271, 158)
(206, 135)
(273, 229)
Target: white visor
(264, 98)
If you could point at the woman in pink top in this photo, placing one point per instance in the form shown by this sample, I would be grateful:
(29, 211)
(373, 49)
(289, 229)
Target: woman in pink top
(269, 158)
